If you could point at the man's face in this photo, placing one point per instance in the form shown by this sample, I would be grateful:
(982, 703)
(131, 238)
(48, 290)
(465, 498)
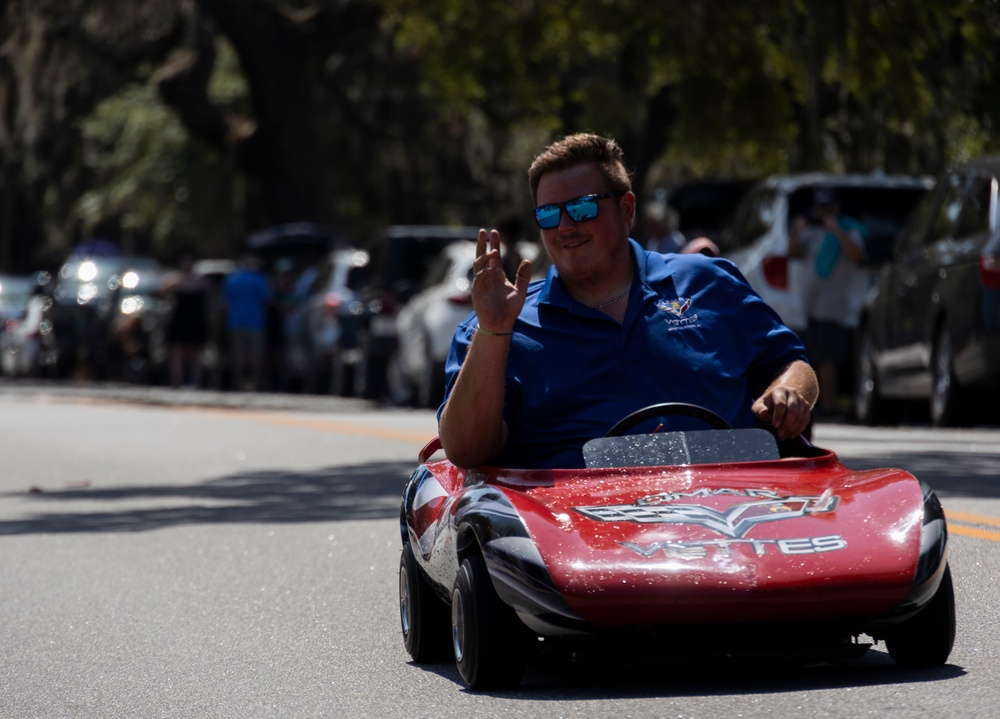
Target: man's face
(824, 211)
(586, 251)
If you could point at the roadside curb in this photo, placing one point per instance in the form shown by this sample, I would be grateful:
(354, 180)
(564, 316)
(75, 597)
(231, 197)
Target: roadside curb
(184, 397)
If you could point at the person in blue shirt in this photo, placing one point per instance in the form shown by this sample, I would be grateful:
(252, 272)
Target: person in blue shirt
(541, 367)
(247, 293)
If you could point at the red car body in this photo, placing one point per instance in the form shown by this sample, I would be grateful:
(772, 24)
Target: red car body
(794, 540)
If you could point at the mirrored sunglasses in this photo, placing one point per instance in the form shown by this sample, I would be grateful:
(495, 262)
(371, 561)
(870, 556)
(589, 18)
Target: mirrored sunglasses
(579, 209)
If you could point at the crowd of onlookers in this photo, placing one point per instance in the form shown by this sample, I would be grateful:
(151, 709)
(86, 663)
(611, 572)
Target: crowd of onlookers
(203, 324)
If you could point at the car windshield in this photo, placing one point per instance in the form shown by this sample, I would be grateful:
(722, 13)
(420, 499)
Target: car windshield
(681, 448)
(881, 212)
(704, 207)
(15, 292)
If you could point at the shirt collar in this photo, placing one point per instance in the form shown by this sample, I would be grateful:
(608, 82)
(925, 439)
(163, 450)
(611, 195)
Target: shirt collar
(650, 267)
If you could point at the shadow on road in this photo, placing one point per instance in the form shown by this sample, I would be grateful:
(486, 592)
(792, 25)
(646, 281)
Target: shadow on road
(562, 679)
(363, 491)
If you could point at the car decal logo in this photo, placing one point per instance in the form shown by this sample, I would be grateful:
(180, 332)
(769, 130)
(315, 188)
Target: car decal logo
(733, 521)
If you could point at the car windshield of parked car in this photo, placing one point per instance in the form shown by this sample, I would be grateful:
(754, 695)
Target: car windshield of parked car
(916, 228)
(704, 207)
(879, 213)
(15, 292)
(753, 218)
(975, 217)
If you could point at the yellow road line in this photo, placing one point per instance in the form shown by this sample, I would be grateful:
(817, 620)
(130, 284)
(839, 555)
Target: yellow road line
(953, 516)
(973, 518)
(974, 532)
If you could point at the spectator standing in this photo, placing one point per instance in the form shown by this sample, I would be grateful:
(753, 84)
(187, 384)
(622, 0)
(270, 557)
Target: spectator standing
(247, 293)
(276, 340)
(833, 244)
(187, 328)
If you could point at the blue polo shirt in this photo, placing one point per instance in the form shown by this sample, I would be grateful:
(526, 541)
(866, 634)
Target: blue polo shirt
(694, 331)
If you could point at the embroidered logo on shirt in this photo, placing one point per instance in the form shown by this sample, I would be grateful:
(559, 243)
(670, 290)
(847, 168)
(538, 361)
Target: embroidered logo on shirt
(675, 307)
(679, 310)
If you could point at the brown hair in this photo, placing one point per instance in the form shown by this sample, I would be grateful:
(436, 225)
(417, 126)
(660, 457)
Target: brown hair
(582, 149)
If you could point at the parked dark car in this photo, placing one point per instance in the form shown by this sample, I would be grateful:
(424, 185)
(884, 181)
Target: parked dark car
(87, 298)
(400, 258)
(930, 328)
(704, 207)
(303, 242)
(137, 323)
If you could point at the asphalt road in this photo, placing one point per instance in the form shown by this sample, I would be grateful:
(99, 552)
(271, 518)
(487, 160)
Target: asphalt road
(190, 555)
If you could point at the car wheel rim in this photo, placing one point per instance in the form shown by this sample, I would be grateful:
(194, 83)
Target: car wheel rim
(404, 601)
(942, 377)
(866, 379)
(458, 625)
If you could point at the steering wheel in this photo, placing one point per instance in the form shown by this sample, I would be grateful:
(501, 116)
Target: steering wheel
(668, 409)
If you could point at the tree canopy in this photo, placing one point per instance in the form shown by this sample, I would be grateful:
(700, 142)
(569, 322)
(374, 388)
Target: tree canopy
(199, 121)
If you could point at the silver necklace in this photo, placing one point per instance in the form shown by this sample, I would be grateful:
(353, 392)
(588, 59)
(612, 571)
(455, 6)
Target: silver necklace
(611, 302)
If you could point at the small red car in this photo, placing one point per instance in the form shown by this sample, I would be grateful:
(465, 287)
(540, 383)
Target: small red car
(721, 541)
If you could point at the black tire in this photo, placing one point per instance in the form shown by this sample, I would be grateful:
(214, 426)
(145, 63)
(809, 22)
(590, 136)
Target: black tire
(947, 405)
(425, 619)
(870, 407)
(926, 639)
(487, 636)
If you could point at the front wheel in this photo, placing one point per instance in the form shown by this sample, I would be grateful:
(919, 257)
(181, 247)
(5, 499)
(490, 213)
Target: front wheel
(870, 407)
(486, 633)
(926, 639)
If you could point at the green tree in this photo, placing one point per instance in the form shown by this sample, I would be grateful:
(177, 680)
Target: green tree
(358, 113)
(148, 172)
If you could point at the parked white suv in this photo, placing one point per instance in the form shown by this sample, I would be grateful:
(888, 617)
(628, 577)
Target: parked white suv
(757, 237)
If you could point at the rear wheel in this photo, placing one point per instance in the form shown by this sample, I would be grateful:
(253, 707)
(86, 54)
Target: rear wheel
(946, 396)
(926, 639)
(424, 617)
(870, 407)
(487, 636)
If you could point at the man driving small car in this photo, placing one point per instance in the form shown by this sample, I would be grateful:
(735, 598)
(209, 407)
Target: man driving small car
(541, 367)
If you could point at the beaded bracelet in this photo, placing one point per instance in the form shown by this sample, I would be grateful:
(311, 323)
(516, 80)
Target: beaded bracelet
(493, 334)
